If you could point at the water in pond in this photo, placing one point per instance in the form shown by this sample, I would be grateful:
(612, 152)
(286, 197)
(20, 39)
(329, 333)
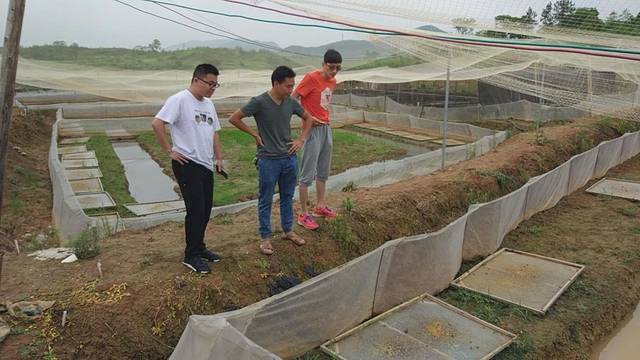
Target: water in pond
(147, 182)
(623, 343)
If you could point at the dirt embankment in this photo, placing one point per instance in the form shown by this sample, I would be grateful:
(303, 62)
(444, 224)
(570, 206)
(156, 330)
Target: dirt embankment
(26, 210)
(140, 307)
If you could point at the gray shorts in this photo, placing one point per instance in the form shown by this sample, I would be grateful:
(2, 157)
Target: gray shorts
(316, 155)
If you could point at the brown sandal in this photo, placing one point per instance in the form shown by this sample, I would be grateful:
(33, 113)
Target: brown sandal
(266, 247)
(295, 238)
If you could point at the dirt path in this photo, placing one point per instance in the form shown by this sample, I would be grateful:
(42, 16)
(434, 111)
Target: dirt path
(140, 307)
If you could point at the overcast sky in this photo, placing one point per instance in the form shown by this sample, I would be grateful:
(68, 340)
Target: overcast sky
(105, 23)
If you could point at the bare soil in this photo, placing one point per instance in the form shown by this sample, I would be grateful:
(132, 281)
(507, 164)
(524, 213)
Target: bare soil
(141, 305)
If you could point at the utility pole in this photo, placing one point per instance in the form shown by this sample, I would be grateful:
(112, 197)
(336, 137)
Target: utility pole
(8, 80)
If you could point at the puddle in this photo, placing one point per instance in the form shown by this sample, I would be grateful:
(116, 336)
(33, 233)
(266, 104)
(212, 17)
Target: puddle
(412, 150)
(147, 182)
(623, 342)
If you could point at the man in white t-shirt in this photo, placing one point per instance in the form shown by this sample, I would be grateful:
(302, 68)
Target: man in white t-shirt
(194, 134)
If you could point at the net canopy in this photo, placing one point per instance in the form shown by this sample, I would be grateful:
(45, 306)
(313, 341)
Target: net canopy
(569, 55)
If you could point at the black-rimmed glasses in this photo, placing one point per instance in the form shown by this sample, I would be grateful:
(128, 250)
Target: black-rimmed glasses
(212, 84)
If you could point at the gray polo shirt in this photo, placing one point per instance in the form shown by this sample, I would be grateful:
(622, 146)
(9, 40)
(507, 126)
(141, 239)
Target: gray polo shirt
(274, 123)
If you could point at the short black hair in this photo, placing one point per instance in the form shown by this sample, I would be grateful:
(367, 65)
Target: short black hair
(203, 69)
(281, 73)
(332, 57)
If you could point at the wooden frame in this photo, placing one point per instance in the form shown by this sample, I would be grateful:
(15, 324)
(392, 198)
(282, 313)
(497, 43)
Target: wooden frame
(542, 311)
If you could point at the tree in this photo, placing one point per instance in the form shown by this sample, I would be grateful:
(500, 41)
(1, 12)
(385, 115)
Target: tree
(155, 45)
(530, 17)
(464, 26)
(562, 10)
(547, 17)
(585, 19)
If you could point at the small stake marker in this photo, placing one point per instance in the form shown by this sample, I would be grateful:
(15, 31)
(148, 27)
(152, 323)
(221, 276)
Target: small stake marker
(100, 269)
(17, 246)
(64, 318)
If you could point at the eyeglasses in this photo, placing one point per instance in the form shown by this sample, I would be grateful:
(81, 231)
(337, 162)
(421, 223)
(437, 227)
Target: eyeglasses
(212, 84)
(336, 67)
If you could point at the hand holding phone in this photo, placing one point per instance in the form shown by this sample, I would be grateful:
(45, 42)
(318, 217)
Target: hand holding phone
(223, 173)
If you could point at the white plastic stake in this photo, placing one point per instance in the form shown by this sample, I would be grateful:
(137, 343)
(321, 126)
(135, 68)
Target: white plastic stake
(64, 318)
(17, 246)
(100, 269)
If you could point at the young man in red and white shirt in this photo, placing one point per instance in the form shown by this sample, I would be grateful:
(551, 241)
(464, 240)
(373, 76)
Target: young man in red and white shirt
(314, 92)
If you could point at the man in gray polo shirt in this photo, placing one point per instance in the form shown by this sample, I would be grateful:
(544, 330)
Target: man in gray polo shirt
(277, 162)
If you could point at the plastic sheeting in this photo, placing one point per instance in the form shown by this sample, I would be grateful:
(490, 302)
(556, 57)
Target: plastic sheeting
(301, 318)
(487, 224)
(440, 254)
(608, 156)
(522, 110)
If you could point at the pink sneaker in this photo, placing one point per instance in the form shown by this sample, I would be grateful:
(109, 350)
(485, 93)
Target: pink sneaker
(307, 222)
(325, 212)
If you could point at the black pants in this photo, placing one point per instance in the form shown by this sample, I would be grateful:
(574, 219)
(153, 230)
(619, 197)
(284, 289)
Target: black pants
(196, 186)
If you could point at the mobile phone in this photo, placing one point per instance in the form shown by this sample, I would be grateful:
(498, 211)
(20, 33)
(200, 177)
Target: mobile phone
(223, 173)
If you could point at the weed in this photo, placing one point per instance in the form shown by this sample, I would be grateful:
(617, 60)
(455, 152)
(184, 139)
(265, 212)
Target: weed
(519, 349)
(314, 355)
(341, 233)
(478, 197)
(635, 230)
(541, 139)
(582, 143)
(506, 183)
(535, 230)
(15, 206)
(350, 187)
(262, 264)
(30, 350)
(628, 212)
(487, 313)
(348, 204)
(86, 245)
(224, 219)
(18, 330)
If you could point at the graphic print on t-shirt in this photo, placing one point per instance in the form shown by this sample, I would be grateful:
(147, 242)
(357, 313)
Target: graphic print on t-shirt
(203, 117)
(325, 98)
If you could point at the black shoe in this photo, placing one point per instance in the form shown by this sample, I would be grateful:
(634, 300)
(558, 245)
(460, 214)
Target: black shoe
(210, 256)
(197, 264)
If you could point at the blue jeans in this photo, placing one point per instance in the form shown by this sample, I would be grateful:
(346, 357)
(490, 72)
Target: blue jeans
(271, 171)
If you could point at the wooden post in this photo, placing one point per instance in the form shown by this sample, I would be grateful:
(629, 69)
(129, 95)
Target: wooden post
(8, 79)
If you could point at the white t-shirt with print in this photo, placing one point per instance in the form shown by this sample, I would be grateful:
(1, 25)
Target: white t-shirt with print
(193, 123)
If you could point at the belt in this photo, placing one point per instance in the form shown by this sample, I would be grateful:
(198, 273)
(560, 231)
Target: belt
(315, 124)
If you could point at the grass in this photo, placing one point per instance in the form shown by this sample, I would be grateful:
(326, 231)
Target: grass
(479, 197)
(239, 150)
(494, 312)
(535, 230)
(582, 142)
(348, 204)
(114, 179)
(86, 245)
(342, 234)
(120, 58)
(628, 212)
(351, 186)
(394, 61)
(352, 150)
(506, 183)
